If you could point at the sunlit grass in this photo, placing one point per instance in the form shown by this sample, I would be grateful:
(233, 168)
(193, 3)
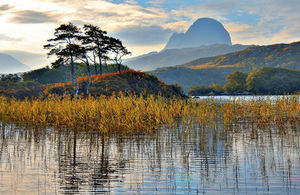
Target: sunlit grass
(264, 113)
(133, 113)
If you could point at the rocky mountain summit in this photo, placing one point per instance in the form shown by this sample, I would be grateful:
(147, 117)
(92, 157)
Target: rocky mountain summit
(205, 38)
(205, 31)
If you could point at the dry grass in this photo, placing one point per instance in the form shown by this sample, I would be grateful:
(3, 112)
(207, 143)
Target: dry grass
(133, 113)
(264, 113)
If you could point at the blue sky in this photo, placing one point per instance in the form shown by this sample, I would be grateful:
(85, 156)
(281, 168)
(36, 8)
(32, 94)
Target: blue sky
(146, 25)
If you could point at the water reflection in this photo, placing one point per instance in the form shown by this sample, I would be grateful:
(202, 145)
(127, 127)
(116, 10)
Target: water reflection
(171, 160)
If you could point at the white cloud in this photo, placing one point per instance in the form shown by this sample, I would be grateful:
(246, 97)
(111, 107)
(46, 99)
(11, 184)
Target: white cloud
(215, 10)
(144, 35)
(178, 26)
(156, 3)
(279, 20)
(31, 17)
(4, 37)
(131, 2)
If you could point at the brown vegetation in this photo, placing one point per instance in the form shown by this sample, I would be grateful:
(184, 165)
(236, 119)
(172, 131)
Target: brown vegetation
(136, 113)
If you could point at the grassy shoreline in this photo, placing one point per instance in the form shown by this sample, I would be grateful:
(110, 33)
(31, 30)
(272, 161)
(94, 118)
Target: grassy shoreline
(136, 113)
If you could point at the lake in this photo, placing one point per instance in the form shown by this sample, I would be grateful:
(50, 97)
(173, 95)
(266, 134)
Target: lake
(223, 98)
(172, 160)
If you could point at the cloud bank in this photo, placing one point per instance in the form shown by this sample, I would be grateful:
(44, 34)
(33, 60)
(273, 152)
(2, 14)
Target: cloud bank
(146, 25)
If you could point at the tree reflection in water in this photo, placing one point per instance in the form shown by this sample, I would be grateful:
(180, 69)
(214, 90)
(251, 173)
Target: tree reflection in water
(172, 160)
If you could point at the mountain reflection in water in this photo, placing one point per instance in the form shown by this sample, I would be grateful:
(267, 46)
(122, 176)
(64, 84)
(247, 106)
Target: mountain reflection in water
(168, 161)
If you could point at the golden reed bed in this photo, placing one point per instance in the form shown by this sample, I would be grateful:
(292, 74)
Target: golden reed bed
(132, 113)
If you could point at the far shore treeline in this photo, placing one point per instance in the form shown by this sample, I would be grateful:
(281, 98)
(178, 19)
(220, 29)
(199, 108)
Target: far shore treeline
(264, 81)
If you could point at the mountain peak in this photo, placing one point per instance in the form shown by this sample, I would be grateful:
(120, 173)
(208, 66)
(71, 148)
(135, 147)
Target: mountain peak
(203, 20)
(9, 64)
(204, 31)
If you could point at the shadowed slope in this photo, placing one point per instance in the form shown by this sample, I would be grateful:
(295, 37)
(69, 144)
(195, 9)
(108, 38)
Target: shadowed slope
(205, 71)
(128, 82)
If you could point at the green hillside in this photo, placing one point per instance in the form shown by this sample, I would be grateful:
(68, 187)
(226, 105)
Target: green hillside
(269, 80)
(108, 84)
(205, 71)
(265, 80)
(62, 74)
(127, 82)
(172, 57)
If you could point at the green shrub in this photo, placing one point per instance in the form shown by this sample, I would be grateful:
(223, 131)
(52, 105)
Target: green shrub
(236, 82)
(269, 80)
(213, 89)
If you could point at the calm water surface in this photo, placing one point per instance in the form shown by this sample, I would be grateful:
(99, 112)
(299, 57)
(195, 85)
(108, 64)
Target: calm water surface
(170, 161)
(245, 97)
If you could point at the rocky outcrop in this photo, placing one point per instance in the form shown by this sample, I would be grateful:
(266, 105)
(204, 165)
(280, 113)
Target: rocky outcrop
(205, 31)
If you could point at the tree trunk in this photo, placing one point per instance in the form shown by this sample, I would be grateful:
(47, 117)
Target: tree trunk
(100, 62)
(72, 63)
(106, 66)
(95, 62)
(90, 75)
(72, 71)
(119, 66)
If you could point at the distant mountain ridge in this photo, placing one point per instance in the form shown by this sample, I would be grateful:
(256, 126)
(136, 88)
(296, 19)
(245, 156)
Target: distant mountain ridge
(34, 60)
(281, 55)
(206, 37)
(171, 57)
(205, 71)
(205, 31)
(9, 64)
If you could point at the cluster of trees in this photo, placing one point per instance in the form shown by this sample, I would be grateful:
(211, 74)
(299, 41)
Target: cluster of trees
(235, 84)
(270, 80)
(12, 83)
(62, 74)
(46, 75)
(266, 80)
(87, 45)
(10, 78)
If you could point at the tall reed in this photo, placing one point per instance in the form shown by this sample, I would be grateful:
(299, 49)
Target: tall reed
(128, 113)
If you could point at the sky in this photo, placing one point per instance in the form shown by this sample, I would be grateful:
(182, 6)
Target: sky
(142, 25)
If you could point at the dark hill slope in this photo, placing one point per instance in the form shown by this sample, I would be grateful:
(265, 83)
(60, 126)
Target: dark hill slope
(172, 57)
(128, 81)
(270, 80)
(62, 74)
(283, 55)
(205, 71)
